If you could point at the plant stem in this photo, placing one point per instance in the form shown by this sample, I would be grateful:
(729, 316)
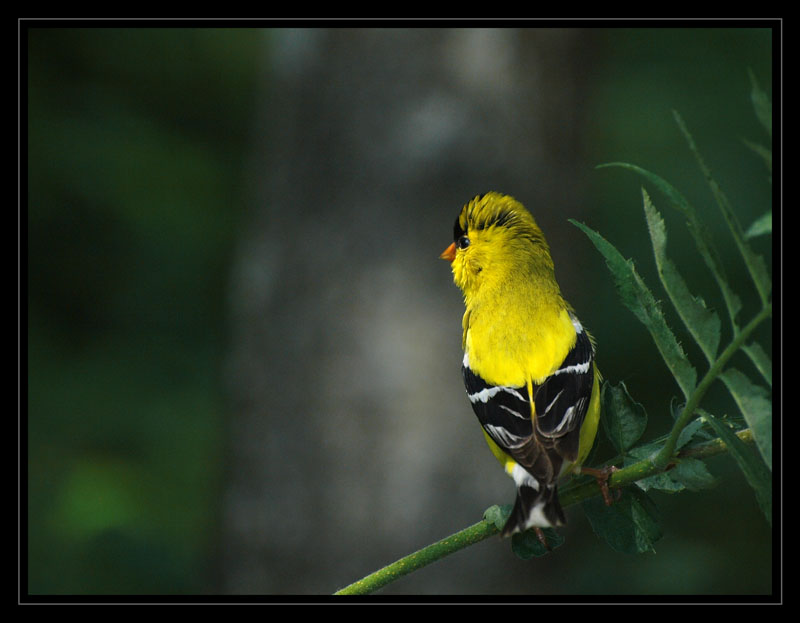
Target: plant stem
(715, 446)
(667, 451)
(427, 555)
(484, 528)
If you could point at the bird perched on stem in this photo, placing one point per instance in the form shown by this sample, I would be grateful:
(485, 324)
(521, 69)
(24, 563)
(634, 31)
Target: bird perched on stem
(528, 362)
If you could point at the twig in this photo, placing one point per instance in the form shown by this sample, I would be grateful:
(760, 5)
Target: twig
(484, 528)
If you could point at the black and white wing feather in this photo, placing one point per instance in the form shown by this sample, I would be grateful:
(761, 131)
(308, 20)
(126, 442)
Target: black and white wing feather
(538, 427)
(563, 399)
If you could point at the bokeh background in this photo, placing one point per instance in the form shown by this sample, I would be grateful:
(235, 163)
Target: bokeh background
(242, 351)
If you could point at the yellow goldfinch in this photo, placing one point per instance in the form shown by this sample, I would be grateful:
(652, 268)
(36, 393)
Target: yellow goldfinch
(528, 362)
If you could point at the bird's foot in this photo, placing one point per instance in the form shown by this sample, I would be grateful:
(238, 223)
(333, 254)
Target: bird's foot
(542, 538)
(602, 475)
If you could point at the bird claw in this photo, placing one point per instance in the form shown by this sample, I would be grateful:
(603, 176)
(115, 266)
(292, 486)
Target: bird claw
(542, 538)
(602, 475)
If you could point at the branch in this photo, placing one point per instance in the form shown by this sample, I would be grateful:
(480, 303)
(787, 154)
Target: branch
(468, 536)
(485, 528)
(665, 455)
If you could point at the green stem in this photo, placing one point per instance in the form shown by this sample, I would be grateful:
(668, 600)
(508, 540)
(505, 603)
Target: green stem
(667, 451)
(427, 555)
(715, 446)
(485, 529)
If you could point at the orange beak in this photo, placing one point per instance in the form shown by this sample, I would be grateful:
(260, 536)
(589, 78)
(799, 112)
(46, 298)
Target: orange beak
(449, 253)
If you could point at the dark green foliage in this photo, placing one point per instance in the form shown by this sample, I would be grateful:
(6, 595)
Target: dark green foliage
(624, 420)
(752, 466)
(134, 148)
(632, 524)
(527, 545)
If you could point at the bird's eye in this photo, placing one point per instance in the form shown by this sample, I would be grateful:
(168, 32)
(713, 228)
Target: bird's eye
(462, 242)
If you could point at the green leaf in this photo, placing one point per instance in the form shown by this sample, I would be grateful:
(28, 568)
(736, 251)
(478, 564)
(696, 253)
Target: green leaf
(637, 297)
(523, 544)
(624, 420)
(751, 464)
(760, 359)
(754, 262)
(631, 524)
(702, 323)
(764, 152)
(688, 473)
(702, 238)
(660, 481)
(526, 544)
(761, 104)
(692, 474)
(762, 225)
(756, 407)
(498, 515)
(688, 432)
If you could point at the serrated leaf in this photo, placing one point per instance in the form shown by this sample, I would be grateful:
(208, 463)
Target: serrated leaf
(692, 474)
(624, 420)
(631, 524)
(526, 544)
(702, 323)
(660, 481)
(762, 225)
(751, 464)
(761, 104)
(702, 238)
(688, 432)
(754, 262)
(756, 407)
(760, 359)
(637, 297)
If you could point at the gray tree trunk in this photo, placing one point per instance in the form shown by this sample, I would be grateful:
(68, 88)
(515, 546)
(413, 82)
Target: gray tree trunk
(351, 440)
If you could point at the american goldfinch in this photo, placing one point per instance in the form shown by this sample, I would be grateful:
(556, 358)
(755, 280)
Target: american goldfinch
(528, 362)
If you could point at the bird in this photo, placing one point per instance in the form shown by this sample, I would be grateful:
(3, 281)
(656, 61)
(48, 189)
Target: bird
(529, 364)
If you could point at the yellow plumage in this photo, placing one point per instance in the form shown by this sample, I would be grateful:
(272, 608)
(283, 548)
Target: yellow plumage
(528, 363)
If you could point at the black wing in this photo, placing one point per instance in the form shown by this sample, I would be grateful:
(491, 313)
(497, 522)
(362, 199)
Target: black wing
(560, 406)
(563, 399)
(505, 414)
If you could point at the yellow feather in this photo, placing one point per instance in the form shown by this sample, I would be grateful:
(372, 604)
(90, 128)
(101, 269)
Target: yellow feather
(517, 327)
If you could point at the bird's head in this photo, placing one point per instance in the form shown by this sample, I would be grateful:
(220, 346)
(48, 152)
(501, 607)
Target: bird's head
(494, 239)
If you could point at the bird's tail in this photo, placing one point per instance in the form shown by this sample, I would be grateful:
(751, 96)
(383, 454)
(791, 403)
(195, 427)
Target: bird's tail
(534, 509)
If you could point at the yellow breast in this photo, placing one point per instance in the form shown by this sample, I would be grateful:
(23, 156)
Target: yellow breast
(507, 347)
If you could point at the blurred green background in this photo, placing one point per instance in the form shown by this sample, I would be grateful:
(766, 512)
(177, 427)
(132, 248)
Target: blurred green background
(144, 155)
